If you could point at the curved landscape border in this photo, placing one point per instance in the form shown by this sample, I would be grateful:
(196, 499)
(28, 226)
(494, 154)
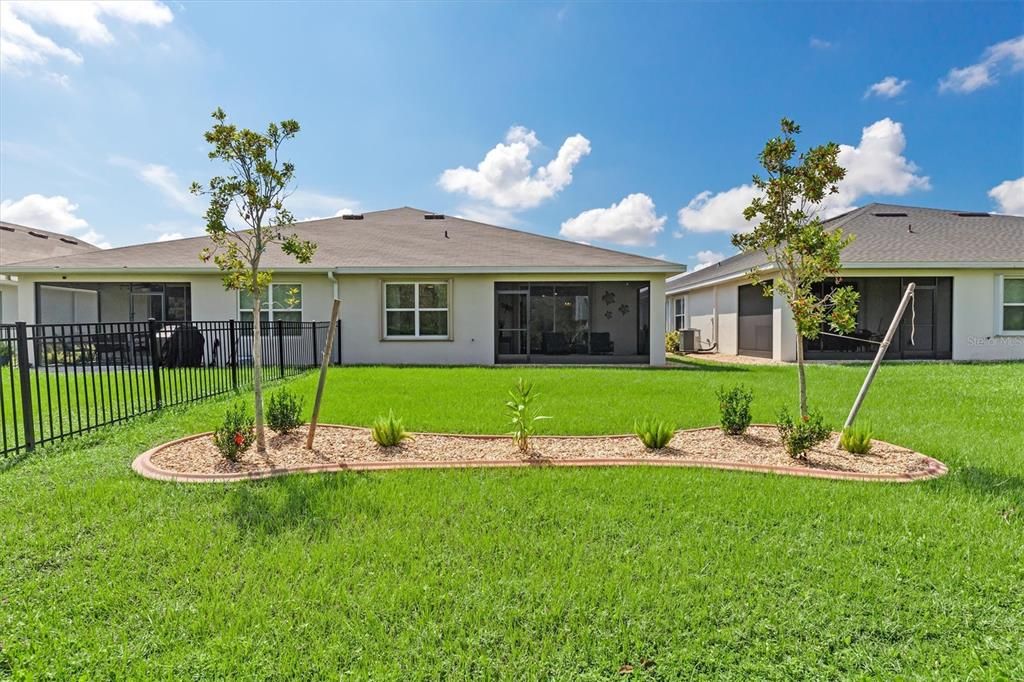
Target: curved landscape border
(143, 465)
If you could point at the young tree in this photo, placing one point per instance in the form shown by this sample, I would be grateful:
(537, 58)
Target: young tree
(799, 248)
(256, 187)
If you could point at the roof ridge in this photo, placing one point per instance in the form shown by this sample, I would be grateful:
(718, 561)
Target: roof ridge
(565, 241)
(48, 233)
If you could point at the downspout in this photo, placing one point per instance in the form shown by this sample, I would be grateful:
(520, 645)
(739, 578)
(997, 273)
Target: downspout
(334, 282)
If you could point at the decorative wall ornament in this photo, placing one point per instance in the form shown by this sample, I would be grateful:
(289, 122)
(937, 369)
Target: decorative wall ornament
(608, 297)
(608, 314)
(624, 309)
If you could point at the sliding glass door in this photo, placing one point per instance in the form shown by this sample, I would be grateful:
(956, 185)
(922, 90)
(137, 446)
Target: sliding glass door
(560, 319)
(512, 313)
(572, 322)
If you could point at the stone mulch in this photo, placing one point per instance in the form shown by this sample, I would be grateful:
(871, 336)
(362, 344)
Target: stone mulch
(343, 447)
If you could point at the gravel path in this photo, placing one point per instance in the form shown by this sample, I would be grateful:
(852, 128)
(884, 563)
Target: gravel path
(342, 444)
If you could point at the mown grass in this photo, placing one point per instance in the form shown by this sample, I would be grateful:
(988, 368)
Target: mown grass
(527, 574)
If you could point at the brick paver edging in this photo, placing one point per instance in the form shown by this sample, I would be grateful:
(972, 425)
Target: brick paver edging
(143, 465)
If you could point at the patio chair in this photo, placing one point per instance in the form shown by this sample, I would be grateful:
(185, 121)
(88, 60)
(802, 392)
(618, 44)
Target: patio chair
(601, 343)
(555, 343)
(107, 345)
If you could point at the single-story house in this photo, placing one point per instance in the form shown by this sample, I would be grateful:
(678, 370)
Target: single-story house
(416, 288)
(969, 302)
(19, 243)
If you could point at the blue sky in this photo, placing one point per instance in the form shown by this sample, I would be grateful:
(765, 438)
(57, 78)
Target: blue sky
(628, 126)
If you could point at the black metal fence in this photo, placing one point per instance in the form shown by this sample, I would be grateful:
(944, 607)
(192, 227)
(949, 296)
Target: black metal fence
(61, 380)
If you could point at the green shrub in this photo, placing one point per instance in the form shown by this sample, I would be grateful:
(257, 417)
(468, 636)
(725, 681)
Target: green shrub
(284, 411)
(734, 409)
(672, 341)
(522, 413)
(388, 431)
(653, 433)
(856, 440)
(800, 435)
(236, 433)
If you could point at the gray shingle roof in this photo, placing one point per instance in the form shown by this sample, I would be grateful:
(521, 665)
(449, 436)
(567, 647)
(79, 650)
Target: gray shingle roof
(393, 239)
(19, 243)
(882, 238)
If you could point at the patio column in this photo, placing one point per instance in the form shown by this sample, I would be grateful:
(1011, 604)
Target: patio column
(657, 321)
(26, 299)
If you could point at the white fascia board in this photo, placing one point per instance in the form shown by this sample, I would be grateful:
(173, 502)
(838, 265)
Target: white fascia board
(731, 277)
(525, 270)
(513, 270)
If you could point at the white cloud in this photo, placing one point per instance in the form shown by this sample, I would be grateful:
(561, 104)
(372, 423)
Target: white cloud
(888, 87)
(55, 213)
(1009, 196)
(985, 72)
(167, 230)
(632, 221)
(707, 259)
(721, 212)
(23, 49)
(166, 181)
(820, 44)
(483, 213)
(506, 177)
(304, 204)
(307, 205)
(20, 44)
(874, 167)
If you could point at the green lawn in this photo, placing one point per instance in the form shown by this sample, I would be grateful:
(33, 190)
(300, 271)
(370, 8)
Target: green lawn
(524, 574)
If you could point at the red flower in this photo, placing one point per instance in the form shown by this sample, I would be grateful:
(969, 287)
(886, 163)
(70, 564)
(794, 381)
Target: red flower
(239, 439)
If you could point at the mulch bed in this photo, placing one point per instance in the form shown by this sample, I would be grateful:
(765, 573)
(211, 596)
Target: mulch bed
(343, 447)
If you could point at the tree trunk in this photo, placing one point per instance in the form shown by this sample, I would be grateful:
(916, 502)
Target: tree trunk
(800, 374)
(257, 373)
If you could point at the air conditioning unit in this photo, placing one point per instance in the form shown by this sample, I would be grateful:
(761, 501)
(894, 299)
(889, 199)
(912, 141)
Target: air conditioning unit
(689, 340)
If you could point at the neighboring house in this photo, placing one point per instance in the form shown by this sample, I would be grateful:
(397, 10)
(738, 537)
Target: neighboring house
(19, 243)
(969, 302)
(416, 288)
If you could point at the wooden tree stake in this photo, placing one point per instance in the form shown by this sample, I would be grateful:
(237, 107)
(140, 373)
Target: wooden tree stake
(325, 361)
(884, 346)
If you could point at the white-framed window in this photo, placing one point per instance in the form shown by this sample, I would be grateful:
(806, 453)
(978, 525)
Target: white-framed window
(417, 310)
(1011, 304)
(282, 301)
(679, 313)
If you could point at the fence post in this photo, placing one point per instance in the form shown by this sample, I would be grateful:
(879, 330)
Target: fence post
(338, 344)
(26, 386)
(316, 331)
(154, 363)
(232, 339)
(280, 346)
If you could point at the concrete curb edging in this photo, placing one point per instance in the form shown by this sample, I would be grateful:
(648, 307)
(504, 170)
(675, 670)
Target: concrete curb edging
(143, 465)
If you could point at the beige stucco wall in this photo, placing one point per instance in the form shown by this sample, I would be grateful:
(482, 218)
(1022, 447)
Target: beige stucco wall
(713, 310)
(975, 310)
(361, 338)
(8, 301)
(473, 319)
